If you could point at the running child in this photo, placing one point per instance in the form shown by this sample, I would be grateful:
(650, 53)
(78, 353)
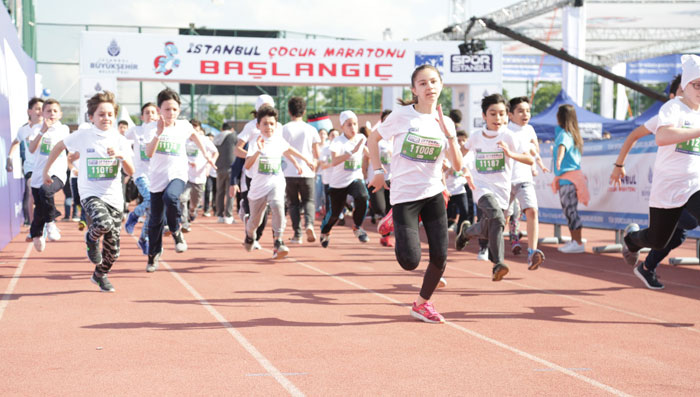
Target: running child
(196, 175)
(167, 174)
(421, 138)
(268, 184)
(103, 153)
(45, 212)
(494, 152)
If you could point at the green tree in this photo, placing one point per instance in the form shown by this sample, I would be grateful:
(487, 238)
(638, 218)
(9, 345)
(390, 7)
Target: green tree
(215, 115)
(545, 95)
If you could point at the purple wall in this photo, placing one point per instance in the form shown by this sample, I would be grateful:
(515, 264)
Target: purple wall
(11, 189)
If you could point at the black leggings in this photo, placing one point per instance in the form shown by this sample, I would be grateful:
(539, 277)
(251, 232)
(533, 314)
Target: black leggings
(358, 191)
(662, 224)
(408, 250)
(379, 201)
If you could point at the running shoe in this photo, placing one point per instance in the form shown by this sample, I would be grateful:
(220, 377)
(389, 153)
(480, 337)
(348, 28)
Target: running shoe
(452, 228)
(386, 241)
(280, 250)
(143, 244)
(386, 225)
(52, 232)
(310, 234)
(515, 247)
(462, 239)
(360, 234)
(483, 254)
(82, 225)
(630, 257)
(206, 214)
(75, 219)
(648, 277)
(39, 243)
(499, 271)
(131, 222)
(426, 312)
(296, 239)
(221, 220)
(229, 220)
(153, 262)
(534, 259)
(180, 243)
(28, 238)
(256, 245)
(248, 244)
(102, 282)
(325, 239)
(442, 283)
(186, 228)
(166, 231)
(573, 248)
(93, 250)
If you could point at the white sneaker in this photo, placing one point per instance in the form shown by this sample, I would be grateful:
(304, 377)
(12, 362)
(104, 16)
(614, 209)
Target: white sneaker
(483, 254)
(221, 220)
(39, 243)
(256, 245)
(52, 232)
(573, 248)
(228, 220)
(442, 283)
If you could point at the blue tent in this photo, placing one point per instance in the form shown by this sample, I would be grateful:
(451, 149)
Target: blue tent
(545, 122)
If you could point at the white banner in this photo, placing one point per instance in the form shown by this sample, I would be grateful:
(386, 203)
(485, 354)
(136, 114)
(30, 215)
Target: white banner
(261, 61)
(91, 85)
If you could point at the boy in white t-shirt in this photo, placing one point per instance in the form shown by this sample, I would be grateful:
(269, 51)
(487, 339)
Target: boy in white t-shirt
(140, 136)
(264, 160)
(103, 154)
(26, 135)
(196, 175)
(522, 182)
(45, 213)
(494, 153)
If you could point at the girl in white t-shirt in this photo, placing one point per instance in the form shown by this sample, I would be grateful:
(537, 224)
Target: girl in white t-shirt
(103, 153)
(676, 183)
(421, 138)
(267, 187)
(168, 174)
(45, 212)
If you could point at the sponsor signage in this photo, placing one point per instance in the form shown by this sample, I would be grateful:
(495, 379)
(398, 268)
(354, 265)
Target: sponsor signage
(261, 61)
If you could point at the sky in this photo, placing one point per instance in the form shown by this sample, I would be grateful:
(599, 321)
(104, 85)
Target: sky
(361, 19)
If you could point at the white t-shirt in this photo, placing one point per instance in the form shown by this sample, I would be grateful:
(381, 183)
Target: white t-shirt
(302, 137)
(418, 151)
(677, 167)
(384, 157)
(652, 124)
(250, 134)
(198, 165)
(141, 135)
(267, 169)
(522, 137)
(53, 135)
(76, 167)
(491, 169)
(99, 175)
(26, 134)
(455, 181)
(344, 173)
(169, 161)
(325, 158)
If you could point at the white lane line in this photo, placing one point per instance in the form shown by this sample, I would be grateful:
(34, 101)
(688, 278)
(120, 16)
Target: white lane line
(475, 334)
(587, 302)
(264, 362)
(15, 278)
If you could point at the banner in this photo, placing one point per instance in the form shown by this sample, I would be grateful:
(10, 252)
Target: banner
(260, 61)
(609, 207)
(91, 85)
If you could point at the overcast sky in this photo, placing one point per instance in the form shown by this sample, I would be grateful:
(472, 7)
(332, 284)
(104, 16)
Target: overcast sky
(362, 19)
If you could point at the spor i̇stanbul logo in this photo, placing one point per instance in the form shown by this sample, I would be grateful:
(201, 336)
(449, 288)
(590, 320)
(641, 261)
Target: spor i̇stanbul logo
(167, 63)
(113, 49)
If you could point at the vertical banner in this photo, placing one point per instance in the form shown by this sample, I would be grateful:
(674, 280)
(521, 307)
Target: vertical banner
(473, 118)
(89, 86)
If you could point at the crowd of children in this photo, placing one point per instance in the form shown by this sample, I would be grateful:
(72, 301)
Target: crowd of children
(415, 167)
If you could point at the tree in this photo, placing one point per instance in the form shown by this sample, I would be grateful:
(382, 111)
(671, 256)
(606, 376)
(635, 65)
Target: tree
(545, 95)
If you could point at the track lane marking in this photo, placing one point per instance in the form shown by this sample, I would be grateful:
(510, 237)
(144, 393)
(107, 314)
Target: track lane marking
(5, 301)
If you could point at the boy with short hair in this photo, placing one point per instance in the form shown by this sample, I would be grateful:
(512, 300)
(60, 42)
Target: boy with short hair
(123, 126)
(196, 175)
(267, 187)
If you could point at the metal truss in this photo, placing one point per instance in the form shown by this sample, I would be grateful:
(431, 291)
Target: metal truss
(606, 34)
(649, 51)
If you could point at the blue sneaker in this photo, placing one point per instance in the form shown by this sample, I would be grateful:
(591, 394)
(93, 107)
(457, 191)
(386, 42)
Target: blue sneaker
(131, 222)
(143, 244)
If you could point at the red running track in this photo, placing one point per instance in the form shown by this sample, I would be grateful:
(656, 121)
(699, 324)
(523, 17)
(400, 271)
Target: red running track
(217, 320)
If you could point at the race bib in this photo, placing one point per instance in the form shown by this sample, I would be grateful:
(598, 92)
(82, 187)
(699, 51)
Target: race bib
(46, 146)
(102, 168)
(269, 165)
(418, 148)
(168, 148)
(142, 150)
(457, 174)
(490, 162)
(689, 147)
(385, 159)
(192, 152)
(351, 165)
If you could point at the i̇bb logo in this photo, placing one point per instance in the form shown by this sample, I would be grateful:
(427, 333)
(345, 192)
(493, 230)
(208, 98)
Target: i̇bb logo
(167, 63)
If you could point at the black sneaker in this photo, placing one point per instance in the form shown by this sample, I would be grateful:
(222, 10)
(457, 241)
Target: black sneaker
(648, 277)
(462, 239)
(361, 235)
(93, 250)
(499, 271)
(325, 239)
(153, 262)
(102, 282)
(280, 250)
(180, 244)
(248, 243)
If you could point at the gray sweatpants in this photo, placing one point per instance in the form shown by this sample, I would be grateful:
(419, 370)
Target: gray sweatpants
(275, 198)
(193, 194)
(490, 226)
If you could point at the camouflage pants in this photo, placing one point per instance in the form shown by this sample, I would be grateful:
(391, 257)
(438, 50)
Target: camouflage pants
(104, 221)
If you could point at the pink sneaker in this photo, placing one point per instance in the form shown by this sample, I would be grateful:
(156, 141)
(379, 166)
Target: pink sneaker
(386, 225)
(426, 312)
